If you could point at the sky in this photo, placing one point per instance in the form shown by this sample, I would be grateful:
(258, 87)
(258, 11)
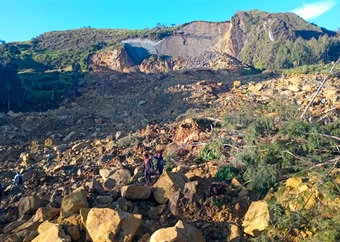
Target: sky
(26, 19)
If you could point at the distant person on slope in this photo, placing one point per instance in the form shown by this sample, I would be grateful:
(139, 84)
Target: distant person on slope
(148, 168)
(18, 180)
(160, 162)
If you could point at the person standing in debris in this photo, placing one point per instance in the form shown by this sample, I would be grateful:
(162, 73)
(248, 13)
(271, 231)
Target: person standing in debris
(18, 180)
(148, 168)
(160, 162)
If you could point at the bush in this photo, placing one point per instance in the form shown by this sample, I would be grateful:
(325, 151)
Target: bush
(128, 141)
(262, 177)
(212, 150)
(319, 222)
(226, 173)
(277, 144)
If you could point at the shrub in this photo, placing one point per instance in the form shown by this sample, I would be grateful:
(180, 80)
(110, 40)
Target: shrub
(320, 222)
(212, 150)
(262, 127)
(262, 177)
(129, 140)
(226, 173)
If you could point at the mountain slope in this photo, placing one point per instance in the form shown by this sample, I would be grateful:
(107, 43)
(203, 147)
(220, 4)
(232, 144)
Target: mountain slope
(260, 39)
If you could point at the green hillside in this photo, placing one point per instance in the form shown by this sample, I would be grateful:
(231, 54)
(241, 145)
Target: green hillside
(281, 41)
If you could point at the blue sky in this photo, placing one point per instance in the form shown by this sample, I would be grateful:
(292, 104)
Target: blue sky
(25, 19)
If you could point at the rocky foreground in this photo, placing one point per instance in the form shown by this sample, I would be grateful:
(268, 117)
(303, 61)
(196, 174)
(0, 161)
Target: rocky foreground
(82, 163)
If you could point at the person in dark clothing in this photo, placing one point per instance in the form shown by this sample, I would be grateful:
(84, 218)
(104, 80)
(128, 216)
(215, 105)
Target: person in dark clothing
(148, 168)
(18, 179)
(160, 162)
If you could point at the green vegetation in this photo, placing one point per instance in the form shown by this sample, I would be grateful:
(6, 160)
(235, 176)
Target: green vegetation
(212, 150)
(276, 145)
(44, 90)
(227, 172)
(283, 41)
(128, 141)
(10, 85)
(63, 50)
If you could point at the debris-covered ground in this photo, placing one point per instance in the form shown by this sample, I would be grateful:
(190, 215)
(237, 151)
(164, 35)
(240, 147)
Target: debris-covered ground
(95, 142)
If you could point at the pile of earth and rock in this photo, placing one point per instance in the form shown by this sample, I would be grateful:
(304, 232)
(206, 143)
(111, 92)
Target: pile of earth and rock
(82, 162)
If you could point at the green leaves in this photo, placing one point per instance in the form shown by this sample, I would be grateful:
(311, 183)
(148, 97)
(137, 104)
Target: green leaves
(227, 172)
(212, 150)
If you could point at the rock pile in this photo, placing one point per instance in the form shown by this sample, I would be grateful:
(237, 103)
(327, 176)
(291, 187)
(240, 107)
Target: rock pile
(82, 162)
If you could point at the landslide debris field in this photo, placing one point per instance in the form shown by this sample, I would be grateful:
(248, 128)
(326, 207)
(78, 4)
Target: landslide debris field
(87, 155)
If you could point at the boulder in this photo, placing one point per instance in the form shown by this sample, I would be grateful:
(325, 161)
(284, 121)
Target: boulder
(185, 199)
(105, 224)
(155, 212)
(73, 232)
(51, 232)
(96, 186)
(13, 225)
(294, 188)
(109, 183)
(257, 218)
(74, 219)
(104, 199)
(47, 213)
(80, 146)
(72, 203)
(136, 192)
(27, 175)
(106, 172)
(180, 232)
(235, 234)
(144, 238)
(174, 202)
(83, 215)
(187, 131)
(294, 182)
(27, 226)
(190, 191)
(167, 184)
(71, 136)
(121, 176)
(29, 205)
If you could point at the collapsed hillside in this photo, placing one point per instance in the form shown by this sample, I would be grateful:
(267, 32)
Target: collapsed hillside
(256, 38)
(88, 153)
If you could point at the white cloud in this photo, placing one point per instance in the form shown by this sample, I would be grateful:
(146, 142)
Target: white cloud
(314, 10)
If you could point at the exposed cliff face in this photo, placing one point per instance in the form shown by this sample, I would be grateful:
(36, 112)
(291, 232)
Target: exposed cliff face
(117, 60)
(248, 34)
(179, 51)
(191, 40)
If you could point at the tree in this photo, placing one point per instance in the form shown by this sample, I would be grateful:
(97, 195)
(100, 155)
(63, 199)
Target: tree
(10, 84)
(10, 88)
